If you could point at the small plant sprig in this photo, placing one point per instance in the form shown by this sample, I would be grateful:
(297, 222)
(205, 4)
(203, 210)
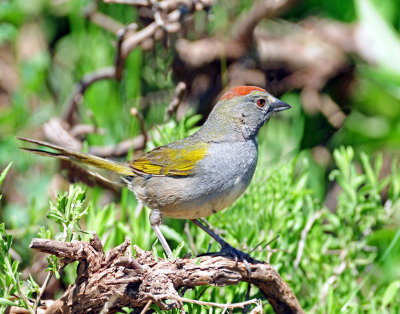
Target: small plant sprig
(12, 290)
(66, 211)
(361, 191)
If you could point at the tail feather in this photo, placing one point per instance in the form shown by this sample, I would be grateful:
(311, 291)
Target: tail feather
(69, 154)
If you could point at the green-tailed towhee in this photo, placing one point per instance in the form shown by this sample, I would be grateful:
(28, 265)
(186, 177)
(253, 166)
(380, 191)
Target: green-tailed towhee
(201, 174)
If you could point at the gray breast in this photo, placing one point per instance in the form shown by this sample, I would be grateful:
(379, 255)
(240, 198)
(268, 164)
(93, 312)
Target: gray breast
(231, 169)
(219, 179)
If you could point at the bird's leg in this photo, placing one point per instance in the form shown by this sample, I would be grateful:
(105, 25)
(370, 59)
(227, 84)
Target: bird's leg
(155, 222)
(215, 236)
(226, 248)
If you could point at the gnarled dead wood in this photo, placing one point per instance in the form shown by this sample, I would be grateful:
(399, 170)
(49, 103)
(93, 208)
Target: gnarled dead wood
(119, 280)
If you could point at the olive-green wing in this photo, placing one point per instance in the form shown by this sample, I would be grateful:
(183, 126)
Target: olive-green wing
(176, 159)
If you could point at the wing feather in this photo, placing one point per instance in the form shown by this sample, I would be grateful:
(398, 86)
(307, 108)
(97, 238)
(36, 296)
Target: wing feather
(170, 160)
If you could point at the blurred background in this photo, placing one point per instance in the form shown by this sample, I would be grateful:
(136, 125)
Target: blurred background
(117, 78)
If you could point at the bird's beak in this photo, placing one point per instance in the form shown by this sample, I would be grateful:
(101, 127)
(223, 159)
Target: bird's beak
(280, 106)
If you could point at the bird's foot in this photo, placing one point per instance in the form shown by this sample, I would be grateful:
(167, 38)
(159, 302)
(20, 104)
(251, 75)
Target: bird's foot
(238, 256)
(229, 251)
(226, 249)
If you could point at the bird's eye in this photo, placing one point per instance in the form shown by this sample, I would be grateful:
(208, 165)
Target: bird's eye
(261, 102)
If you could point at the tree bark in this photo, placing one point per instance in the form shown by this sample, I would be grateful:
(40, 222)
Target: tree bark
(118, 280)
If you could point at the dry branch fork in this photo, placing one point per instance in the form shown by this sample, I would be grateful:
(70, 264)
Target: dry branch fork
(118, 280)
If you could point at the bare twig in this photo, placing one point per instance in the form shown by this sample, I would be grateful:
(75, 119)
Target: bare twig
(220, 305)
(243, 31)
(106, 22)
(82, 86)
(119, 59)
(110, 302)
(336, 273)
(42, 289)
(176, 100)
(332, 111)
(84, 129)
(190, 238)
(102, 19)
(120, 149)
(226, 308)
(138, 115)
(304, 233)
(146, 307)
(133, 41)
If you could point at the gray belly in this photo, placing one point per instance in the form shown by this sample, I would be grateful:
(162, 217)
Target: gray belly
(218, 180)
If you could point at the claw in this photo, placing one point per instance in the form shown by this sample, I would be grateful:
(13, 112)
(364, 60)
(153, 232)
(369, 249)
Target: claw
(238, 255)
(247, 267)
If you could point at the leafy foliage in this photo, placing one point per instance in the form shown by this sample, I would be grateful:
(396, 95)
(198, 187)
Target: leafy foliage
(10, 277)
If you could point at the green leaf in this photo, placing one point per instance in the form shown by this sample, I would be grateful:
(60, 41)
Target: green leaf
(7, 302)
(5, 240)
(177, 251)
(33, 287)
(391, 292)
(380, 37)
(44, 233)
(368, 169)
(191, 121)
(4, 173)
(14, 267)
(55, 216)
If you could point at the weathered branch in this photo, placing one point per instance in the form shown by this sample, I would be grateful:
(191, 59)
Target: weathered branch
(101, 19)
(57, 132)
(180, 90)
(244, 29)
(137, 143)
(116, 280)
(204, 51)
(138, 115)
(82, 86)
(128, 39)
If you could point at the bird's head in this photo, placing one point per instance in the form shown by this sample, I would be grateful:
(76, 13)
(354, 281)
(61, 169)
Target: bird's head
(242, 111)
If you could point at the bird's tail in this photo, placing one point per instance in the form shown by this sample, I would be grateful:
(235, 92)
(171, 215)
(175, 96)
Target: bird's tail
(83, 158)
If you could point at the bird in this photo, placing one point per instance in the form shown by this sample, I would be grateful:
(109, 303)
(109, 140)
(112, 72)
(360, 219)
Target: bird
(199, 175)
